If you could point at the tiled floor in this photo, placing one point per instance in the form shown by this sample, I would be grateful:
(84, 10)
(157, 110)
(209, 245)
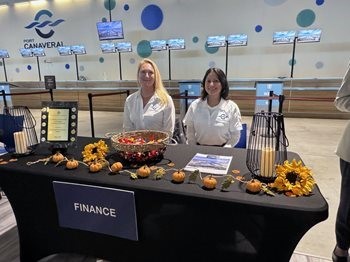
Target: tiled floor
(313, 139)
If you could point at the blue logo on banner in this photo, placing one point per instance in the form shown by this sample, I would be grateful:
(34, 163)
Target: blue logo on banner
(98, 209)
(46, 23)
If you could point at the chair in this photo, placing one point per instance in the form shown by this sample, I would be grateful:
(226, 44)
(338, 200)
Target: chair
(242, 143)
(179, 132)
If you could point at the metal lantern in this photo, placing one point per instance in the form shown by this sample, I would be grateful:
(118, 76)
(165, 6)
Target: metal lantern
(267, 145)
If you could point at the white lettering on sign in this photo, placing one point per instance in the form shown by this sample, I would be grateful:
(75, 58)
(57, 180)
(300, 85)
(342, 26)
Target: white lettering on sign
(98, 210)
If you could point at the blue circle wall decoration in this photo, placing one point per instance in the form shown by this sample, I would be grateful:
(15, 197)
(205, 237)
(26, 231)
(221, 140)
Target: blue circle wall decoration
(319, 2)
(319, 65)
(290, 62)
(195, 39)
(152, 17)
(132, 60)
(126, 7)
(211, 50)
(144, 49)
(29, 67)
(67, 66)
(306, 18)
(258, 28)
(110, 4)
(101, 59)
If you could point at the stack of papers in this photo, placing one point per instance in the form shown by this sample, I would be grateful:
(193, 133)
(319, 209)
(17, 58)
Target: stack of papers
(212, 164)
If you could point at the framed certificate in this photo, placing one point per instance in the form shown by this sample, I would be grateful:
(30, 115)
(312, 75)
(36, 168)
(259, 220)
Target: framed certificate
(59, 123)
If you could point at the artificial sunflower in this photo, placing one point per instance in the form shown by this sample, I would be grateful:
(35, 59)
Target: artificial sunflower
(293, 178)
(95, 152)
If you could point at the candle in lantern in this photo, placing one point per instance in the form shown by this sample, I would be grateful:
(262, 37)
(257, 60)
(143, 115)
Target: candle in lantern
(267, 163)
(20, 142)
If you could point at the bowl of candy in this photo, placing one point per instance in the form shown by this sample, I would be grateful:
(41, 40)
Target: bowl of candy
(141, 146)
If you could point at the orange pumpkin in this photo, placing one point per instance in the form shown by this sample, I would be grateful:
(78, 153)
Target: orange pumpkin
(253, 186)
(95, 167)
(57, 157)
(116, 167)
(209, 182)
(143, 171)
(72, 164)
(179, 176)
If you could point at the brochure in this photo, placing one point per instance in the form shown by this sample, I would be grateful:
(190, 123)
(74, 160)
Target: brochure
(213, 164)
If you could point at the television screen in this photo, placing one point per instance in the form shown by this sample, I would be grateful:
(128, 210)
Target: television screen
(309, 35)
(124, 47)
(110, 30)
(237, 40)
(38, 51)
(64, 50)
(78, 49)
(216, 41)
(283, 37)
(26, 52)
(158, 45)
(176, 43)
(4, 53)
(108, 47)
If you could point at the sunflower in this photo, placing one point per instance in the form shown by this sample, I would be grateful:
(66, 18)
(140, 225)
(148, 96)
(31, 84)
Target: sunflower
(293, 178)
(95, 152)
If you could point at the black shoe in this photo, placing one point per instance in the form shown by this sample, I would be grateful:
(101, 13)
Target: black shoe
(336, 258)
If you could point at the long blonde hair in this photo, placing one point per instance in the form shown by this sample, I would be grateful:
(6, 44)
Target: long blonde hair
(158, 83)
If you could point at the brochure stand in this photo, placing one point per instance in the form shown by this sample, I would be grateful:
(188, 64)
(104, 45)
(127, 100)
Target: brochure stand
(26, 52)
(3, 63)
(4, 54)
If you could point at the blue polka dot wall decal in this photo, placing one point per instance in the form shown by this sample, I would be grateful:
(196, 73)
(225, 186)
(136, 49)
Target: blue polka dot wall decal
(274, 2)
(319, 65)
(319, 2)
(258, 28)
(291, 61)
(306, 18)
(211, 50)
(29, 67)
(144, 49)
(152, 17)
(126, 7)
(101, 60)
(195, 39)
(110, 4)
(67, 66)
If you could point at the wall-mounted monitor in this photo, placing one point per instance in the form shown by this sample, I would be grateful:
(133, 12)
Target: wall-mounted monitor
(237, 40)
(110, 30)
(309, 35)
(176, 43)
(4, 53)
(158, 45)
(108, 47)
(78, 49)
(216, 41)
(283, 37)
(38, 51)
(124, 47)
(64, 50)
(25, 52)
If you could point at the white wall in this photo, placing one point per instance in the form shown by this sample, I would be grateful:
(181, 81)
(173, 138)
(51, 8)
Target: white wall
(186, 19)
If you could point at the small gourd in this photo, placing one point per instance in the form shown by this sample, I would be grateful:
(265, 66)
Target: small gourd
(72, 164)
(143, 171)
(95, 167)
(179, 176)
(116, 167)
(57, 157)
(253, 186)
(209, 182)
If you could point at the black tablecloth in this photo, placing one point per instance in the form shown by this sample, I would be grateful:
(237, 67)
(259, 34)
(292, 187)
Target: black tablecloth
(176, 222)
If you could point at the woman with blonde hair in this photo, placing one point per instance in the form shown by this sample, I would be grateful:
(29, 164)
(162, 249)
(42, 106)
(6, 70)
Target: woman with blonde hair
(151, 107)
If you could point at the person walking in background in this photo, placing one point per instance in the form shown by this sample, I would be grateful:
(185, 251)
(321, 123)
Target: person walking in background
(151, 107)
(212, 119)
(342, 224)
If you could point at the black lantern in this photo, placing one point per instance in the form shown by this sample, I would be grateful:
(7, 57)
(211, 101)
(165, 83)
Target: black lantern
(267, 145)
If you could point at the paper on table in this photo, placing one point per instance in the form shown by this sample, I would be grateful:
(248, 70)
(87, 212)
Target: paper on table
(213, 164)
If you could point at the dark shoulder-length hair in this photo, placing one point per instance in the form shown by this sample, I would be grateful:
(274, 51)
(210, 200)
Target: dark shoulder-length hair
(222, 78)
